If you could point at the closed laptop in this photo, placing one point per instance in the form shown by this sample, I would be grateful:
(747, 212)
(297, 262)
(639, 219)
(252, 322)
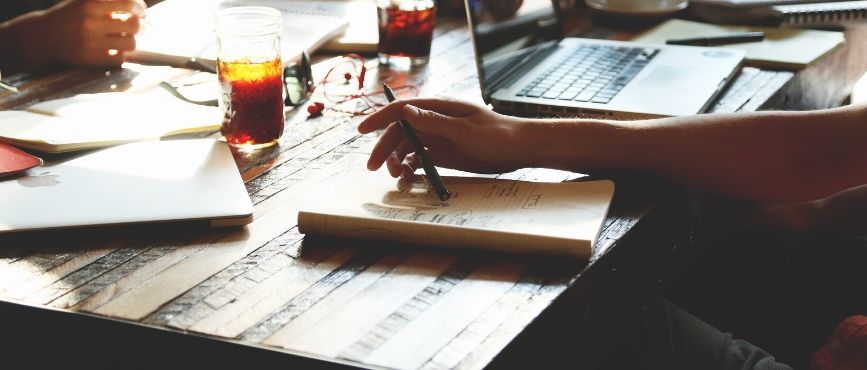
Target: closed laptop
(144, 182)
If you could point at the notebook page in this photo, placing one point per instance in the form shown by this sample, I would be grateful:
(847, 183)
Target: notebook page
(186, 28)
(153, 112)
(96, 120)
(529, 217)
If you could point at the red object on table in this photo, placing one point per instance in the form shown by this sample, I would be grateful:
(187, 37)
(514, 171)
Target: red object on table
(14, 160)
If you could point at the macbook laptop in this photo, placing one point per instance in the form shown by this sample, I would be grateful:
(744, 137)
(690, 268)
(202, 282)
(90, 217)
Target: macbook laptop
(145, 182)
(526, 66)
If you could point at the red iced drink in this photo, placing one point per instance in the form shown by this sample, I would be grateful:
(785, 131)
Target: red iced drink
(253, 98)
(406, 31)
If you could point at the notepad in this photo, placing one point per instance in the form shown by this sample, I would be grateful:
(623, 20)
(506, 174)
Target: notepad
(784, 48)
(186, 28)
(483, 213)
(98, 120)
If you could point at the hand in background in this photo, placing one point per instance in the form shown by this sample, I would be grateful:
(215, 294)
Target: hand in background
(77, 32)
(458, 135)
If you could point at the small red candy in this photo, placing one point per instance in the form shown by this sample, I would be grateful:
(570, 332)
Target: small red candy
(315, 109)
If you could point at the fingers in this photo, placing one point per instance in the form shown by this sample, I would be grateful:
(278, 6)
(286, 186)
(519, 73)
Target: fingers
(398, 159)
(387, 143)
(98, 58)
(410, 164)
(105, 8)
(394, 111)
(428, 121)
(122, 43)
(122, 27)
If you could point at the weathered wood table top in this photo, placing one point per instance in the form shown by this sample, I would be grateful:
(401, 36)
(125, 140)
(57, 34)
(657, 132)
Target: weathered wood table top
(265, 288)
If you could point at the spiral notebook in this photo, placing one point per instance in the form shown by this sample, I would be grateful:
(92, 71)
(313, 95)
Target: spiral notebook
(792, 13)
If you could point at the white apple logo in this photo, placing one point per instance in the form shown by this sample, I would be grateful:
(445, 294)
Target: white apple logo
(43, 179)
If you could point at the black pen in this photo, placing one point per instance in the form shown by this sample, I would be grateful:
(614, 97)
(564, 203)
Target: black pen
(719, 40)
(434, 179)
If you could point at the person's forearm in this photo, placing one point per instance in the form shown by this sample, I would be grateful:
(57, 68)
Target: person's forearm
(18, 43)
(8, 47)
(757, 156)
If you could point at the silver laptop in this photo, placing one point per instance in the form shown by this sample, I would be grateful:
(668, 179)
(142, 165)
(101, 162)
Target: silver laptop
(526, 66)
(145, 182)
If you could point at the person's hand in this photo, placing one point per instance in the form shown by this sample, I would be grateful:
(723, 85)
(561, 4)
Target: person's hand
(458, 135)
(83, 32)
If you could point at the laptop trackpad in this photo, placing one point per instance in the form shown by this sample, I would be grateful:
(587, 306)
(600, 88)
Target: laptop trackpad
(686, 79)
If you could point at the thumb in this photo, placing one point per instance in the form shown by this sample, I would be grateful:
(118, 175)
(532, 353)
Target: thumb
(428, 121)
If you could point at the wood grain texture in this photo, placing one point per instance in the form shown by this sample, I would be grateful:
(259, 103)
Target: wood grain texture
(345, 325)
(368, 303)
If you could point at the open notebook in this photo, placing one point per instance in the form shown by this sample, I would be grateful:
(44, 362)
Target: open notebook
(185, 28)
(483, 213)
(98, 120)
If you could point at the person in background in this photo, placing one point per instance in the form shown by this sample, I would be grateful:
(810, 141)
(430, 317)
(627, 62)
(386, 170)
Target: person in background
(784, 289)
(90, 33)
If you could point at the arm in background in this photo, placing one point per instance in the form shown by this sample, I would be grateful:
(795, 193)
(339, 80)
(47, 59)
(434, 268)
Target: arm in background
(75, 32)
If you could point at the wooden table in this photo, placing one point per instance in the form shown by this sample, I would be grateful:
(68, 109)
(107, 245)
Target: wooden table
(177, 295)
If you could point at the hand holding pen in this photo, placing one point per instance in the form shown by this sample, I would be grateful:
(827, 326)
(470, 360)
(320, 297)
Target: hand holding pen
(457, 135)
(432, 176)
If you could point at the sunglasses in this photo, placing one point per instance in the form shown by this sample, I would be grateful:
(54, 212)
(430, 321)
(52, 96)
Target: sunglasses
(297, 85)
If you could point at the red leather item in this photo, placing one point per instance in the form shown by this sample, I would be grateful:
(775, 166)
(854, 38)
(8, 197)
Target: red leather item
(847, 347)
(13, 160)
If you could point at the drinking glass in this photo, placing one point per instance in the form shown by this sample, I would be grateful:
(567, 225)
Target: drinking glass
(251, 75)
(405, 31)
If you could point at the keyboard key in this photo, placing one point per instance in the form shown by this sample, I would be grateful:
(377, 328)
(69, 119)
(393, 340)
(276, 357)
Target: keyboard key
(585, 96)
(568, 95)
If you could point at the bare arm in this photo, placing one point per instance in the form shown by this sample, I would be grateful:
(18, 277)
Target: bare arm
(762, 156)
(76, 32)
(769, 157)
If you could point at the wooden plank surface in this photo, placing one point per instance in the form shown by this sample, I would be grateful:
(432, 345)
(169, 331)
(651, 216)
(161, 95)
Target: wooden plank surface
(264, 285)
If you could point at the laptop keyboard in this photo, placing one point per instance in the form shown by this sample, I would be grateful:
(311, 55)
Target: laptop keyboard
(592, 73)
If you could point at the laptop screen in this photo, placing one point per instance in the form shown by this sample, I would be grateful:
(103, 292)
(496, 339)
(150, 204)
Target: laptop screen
(507, 32)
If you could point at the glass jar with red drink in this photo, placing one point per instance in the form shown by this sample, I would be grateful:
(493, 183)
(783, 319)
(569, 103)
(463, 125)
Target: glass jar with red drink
(405, 31)
(251, 75)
